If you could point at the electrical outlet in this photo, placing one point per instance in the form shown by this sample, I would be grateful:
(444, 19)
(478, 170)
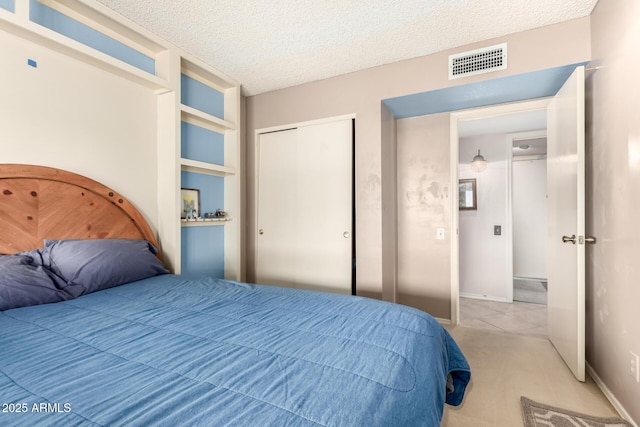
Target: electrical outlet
(635, 366)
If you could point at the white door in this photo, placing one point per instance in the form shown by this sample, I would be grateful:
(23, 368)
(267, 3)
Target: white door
(276, 208)
(305, 207)
(566, 223)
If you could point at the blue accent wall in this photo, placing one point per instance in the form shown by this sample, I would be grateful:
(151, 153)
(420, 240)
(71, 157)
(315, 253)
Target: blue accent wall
(201, 97)
(203, 251)
(8, 5)
(520, 87)
(75, 30)
(211, 190)
(203, 247)
(201, 144)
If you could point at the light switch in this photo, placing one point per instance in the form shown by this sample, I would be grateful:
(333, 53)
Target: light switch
(497, 230)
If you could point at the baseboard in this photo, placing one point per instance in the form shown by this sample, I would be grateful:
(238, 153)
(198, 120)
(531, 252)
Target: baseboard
(607, 393)
(443, 321)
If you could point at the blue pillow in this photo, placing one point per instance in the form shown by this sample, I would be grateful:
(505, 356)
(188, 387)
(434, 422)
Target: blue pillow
(23, 283)
(101, 263)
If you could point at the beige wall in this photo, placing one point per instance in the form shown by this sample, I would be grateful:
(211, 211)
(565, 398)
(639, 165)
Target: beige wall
(389, 191)
(423, 206)
(613, 198)
(361, 93)
(73, 116)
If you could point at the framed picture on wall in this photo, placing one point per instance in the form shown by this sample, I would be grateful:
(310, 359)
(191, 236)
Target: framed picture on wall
(467, 195)
(190, 203)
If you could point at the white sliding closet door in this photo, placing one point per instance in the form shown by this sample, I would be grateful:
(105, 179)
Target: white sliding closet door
(305, 207)
(276, 208)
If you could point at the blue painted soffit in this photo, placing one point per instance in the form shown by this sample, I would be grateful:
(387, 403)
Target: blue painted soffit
(520, 87)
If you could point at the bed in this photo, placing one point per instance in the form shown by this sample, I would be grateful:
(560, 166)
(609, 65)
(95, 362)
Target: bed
(114, 340)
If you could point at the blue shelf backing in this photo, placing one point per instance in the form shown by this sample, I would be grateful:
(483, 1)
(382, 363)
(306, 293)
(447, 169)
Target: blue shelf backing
(203, 247)
(203, 251)
(211, 190)
(62, 24)
(201, 97)
(201, 144)
(8, 5)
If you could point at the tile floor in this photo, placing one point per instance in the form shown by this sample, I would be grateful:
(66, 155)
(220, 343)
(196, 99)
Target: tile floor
(510, 356)
(515, 318)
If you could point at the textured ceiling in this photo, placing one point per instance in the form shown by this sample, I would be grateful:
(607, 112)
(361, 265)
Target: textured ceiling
(268, 45)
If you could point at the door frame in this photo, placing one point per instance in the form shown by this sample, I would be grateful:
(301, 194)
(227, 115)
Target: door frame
(455, 118)
(256, 175)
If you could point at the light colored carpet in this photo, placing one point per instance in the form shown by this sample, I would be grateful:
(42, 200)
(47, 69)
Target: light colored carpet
(530, 290)
(536, 414)
(506, 366)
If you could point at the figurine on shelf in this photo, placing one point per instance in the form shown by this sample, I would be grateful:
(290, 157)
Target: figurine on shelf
(220, 213)
(192, 215)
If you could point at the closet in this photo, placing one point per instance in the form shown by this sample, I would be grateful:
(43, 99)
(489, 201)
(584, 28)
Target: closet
(305, 207)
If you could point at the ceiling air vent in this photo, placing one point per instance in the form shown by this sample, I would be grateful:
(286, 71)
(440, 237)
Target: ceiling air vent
(478, 61)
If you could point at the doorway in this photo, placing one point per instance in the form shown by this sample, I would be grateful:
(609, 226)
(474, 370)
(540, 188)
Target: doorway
(566, 222)
(529, 217)
(566, 236)
(503, 237)
(492, 130)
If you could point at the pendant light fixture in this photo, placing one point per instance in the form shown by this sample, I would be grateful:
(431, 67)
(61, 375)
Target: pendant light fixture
(478, 164)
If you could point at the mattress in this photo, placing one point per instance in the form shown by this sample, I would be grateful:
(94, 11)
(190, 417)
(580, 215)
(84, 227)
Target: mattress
(174, 351)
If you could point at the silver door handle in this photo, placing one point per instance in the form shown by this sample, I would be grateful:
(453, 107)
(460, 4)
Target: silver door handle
(567, 239)
(346, 234)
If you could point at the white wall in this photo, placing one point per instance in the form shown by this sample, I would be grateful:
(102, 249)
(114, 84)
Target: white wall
(529, 180)
(485, 257)
(73, 116)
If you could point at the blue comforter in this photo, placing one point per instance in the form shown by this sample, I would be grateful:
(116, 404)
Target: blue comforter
(178, 352)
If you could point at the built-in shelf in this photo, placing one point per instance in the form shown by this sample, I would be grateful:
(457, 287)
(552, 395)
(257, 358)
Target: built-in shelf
(211, 101)
(197, 166)
(207, 222)
(215, 108)
(202, 119)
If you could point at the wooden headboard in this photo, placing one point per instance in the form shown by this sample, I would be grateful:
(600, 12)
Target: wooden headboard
(38, 202)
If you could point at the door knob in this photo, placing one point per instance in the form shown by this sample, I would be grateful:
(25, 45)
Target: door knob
(567, 239)
(346, 234)
(261, 231)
